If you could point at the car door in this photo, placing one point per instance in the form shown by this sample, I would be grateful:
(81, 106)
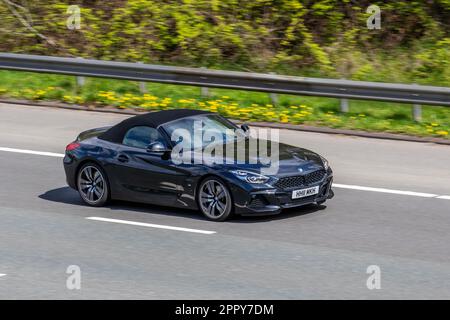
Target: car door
(143, 176)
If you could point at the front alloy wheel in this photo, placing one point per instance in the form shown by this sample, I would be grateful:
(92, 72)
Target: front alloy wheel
(215, 200)
(92, 185)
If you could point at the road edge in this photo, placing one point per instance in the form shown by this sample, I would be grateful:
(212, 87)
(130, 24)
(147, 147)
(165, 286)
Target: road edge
(296, 127)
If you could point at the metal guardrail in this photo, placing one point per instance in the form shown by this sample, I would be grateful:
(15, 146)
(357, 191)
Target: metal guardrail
(332, 88)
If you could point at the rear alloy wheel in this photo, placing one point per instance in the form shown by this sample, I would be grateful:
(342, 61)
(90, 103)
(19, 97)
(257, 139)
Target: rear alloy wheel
(92, 185)
(214, 200)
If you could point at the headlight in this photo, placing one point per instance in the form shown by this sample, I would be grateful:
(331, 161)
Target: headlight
(325, 163)
(250, 177)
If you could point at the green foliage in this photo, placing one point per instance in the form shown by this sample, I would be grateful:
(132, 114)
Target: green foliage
(321, 37)
(435, 61)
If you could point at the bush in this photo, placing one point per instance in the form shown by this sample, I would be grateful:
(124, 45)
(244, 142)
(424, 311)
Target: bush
(322, 37)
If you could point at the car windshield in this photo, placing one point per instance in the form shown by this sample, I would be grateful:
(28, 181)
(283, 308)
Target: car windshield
(207, 129)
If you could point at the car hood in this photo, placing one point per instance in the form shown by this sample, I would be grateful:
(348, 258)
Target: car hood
(291, 160)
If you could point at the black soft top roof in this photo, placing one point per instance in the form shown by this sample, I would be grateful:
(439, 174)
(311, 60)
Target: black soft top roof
(152, 119)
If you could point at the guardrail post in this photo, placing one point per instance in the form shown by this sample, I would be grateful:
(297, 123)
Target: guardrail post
(142, 87)
(80, 79)
(417, 112)
(204, 90)
(273, 96)
(344, 105)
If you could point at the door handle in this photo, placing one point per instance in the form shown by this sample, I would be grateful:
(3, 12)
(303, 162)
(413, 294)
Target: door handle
(123, 158)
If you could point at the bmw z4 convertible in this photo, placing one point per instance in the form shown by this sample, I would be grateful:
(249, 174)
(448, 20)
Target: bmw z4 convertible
(196, 160)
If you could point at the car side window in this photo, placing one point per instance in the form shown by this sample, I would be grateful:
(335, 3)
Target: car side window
(141, 137)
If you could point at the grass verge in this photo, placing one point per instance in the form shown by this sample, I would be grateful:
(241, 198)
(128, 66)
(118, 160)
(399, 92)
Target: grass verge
(242, 105)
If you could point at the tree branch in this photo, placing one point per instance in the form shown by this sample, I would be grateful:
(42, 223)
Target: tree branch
(26, 22)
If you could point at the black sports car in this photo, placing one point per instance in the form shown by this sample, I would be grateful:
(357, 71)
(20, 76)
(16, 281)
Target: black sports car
(135, 161)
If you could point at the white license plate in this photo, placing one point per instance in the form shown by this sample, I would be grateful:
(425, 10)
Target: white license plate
(297, 194)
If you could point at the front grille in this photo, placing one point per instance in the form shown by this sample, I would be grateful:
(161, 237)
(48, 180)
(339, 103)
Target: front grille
(290, 182)
(300, 181)
(314, 177)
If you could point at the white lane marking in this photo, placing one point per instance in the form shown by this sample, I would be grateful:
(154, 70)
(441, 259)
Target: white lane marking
(40, 153)
(150, 225)
(335, 185)
(383, 190)
(2, 274)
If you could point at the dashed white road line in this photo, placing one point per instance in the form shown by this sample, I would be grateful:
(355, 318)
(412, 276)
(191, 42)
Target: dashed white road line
(383, 190)
(151, 225)
(2, 274)
(40, 153)
(335, 185)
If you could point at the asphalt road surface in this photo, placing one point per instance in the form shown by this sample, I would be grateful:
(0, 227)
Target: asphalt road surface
(391, 209)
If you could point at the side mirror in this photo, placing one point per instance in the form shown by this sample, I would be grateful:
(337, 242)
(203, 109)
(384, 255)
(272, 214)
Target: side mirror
(157, 148)
(245, 127)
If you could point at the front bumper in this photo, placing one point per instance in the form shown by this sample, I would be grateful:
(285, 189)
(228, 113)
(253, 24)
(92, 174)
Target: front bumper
(273, 201)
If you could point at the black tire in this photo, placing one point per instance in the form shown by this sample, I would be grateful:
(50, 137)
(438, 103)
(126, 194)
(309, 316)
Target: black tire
(92, 185)
(214, 199)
